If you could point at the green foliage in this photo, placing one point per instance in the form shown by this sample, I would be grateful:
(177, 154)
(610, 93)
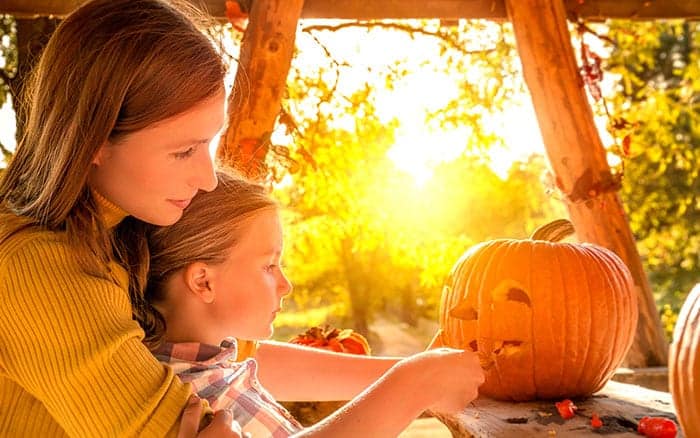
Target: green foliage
(8, 68)
(8, 54)
(362, 233)
(659, 96)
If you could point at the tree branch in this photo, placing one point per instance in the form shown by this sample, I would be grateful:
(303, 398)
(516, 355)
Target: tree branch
(455, 44)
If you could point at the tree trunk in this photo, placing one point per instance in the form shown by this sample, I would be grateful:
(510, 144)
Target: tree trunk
(357, 288)
(577, 156)
(32, 36)
(266, 54)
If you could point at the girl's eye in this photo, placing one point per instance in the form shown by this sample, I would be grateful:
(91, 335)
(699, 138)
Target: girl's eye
(270, 268)
(186, 153)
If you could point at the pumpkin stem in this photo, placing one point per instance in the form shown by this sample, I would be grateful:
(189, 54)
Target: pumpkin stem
(554, 231)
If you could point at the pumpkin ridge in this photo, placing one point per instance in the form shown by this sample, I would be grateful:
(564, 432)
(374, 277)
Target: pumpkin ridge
(543, 279)
(495, 271)
(610, 262)
(601, 264)
(530, 250)
(623, 339)
(565, 316)
(583, 340)
(587, 376)
(490, 250)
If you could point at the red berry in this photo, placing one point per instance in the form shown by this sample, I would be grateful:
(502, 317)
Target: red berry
(657, 427)
(596, 422)
(566, 408)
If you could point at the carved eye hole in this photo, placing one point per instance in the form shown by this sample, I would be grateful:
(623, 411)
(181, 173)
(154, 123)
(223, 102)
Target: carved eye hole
(464, 310)
(511, 291)
(519, 295)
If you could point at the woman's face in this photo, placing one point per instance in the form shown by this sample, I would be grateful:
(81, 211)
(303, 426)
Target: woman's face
(249, 285)
(153, 173)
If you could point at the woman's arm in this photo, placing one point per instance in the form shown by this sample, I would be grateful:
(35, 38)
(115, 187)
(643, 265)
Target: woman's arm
(293, 372)
(444, 380)
(68, 339)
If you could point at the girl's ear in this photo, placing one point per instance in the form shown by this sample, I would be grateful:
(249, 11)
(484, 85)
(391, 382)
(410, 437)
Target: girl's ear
(198, 280)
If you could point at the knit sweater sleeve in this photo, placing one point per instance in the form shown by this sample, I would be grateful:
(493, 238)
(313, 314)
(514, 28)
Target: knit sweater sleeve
(69, 340)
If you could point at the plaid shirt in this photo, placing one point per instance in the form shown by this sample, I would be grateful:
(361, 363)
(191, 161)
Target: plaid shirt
(224, 383)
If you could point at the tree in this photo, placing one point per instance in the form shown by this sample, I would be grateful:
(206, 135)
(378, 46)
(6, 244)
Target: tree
(657, 102)
(8, 66)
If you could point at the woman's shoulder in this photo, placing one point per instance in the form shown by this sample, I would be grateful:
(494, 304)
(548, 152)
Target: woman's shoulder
(20, 235)
(39, 265)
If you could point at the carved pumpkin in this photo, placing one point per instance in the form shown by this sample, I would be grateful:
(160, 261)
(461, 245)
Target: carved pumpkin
(684, 364)
(549, 319)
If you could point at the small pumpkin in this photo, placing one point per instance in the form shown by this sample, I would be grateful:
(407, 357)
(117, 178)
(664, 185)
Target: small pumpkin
(548, 319)
(334, 339)
(684, 364)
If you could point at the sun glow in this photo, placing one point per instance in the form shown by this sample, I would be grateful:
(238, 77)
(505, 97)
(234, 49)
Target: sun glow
(417, 152)
(420, 147)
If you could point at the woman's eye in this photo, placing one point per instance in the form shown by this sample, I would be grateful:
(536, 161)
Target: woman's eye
(186, 153)
(270, 268)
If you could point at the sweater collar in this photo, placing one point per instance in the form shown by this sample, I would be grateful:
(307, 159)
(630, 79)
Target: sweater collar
(111, 213)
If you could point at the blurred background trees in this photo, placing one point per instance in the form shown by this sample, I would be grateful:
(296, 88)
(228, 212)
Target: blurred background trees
(658, 98)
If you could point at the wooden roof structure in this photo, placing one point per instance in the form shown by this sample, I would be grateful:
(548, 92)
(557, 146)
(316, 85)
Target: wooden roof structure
(405, 9)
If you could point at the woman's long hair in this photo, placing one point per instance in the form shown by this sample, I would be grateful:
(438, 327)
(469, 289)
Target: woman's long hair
(111, 68)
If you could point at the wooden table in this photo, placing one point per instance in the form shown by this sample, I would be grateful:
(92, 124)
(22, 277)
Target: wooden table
(619, 405)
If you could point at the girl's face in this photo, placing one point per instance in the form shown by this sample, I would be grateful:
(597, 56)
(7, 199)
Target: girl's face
(249, 285)
(153, 173)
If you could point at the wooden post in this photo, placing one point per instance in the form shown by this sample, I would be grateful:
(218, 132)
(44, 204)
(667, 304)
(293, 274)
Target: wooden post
(577, 156)
(266, 55)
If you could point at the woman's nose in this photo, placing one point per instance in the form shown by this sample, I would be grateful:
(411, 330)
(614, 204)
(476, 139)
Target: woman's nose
(204, 174)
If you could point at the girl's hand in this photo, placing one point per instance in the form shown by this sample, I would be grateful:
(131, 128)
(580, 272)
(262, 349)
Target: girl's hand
(222, 425)
(450, 378)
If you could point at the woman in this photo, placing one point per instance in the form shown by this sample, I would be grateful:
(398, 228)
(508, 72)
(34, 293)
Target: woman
(123, 104)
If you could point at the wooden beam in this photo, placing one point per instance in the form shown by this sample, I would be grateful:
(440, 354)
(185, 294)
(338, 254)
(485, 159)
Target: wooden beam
(577, 156)
(266, 54)
(404, 9)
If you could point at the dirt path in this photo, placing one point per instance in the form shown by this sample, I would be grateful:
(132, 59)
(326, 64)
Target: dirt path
(397, 339)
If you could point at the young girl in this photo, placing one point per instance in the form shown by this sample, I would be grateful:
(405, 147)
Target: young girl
(216, 273)
(123, 104)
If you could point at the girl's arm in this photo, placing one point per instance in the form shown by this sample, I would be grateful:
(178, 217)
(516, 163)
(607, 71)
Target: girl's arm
(293, 372)
(444, 380)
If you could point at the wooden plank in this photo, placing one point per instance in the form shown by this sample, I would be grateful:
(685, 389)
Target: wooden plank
(404, 9)
(619, 405)
(578, 158)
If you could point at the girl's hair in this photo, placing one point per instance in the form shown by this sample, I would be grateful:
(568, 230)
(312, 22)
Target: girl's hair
(210, 226)
(111, 68)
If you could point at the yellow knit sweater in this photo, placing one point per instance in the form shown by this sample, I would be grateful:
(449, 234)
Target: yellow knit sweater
(71, 358)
